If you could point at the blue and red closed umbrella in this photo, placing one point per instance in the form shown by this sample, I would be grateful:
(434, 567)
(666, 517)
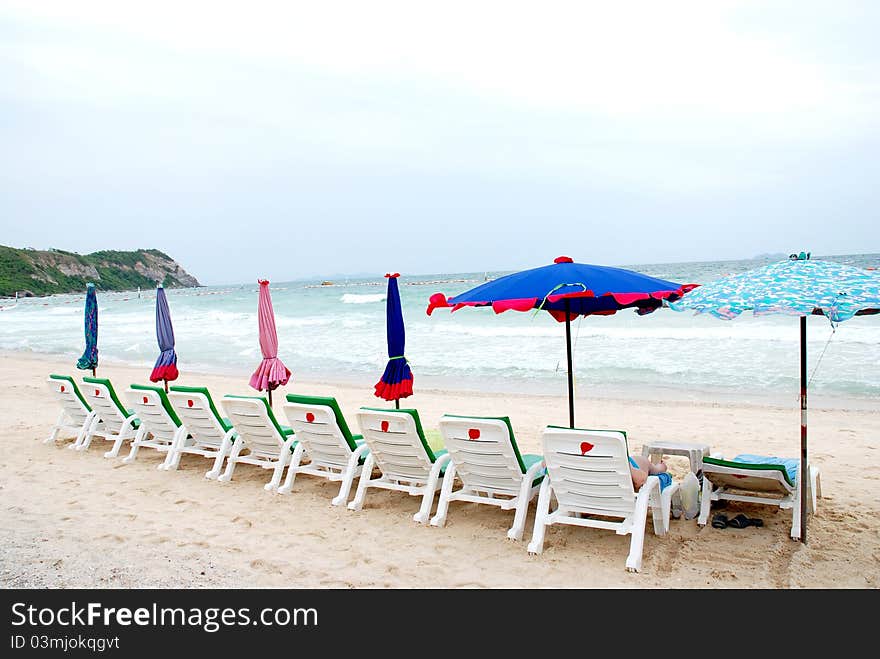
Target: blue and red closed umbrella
(397, 380)
(166, 365)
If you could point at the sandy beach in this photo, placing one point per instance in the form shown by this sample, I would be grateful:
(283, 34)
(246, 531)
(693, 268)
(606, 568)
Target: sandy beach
(76, 519)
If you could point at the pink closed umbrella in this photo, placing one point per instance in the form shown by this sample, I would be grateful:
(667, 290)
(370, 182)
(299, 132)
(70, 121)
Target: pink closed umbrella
(271, 372)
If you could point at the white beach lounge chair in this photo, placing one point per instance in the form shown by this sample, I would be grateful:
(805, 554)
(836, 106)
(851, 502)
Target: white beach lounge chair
(486, 458)
(76, 415)
(268, 444)
(398, 447)
(160, 427)
(333, 452)
(589, 473)
(758, 479)
(210, 435)
(112, 421)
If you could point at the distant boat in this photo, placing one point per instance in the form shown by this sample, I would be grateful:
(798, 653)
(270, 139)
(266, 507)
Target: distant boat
(326, 283)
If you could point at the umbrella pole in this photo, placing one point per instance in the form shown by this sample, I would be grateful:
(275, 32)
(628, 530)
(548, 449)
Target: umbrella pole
(166, 386)
(570, 375)
(396, 403)
(270, 396)
(93, 373)
(805, 473)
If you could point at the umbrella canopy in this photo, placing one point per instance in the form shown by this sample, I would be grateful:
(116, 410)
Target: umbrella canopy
(397, 380)
(271, 373)
(89, 359)
(796, 287)
(166, 365)
(566, 290)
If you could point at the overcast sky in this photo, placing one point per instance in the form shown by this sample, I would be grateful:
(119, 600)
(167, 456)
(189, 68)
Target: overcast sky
(318, 138)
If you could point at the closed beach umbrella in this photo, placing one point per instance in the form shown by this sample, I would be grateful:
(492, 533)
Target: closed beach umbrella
(796, 287)
(166, 365)
(89, 359)
(397, 380)
(271, 373)
(567, 290)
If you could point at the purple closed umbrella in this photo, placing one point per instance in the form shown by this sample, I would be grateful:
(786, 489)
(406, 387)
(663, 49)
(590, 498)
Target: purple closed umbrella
(166, 365)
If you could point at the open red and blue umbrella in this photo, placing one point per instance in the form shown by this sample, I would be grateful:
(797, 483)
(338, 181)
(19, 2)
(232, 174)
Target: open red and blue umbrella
(166, 365)
(567, 290)
(397, 380)
(89, 359)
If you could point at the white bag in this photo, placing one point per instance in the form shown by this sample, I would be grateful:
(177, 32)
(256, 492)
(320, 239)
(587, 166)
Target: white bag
(690, 495)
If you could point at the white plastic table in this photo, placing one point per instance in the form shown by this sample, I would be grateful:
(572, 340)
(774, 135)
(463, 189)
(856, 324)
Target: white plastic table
(693, 452)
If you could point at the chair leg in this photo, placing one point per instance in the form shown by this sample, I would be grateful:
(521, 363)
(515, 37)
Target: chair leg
(796, 513)
(439, 518)
(705, 501)
(172, 458)
(88, 435)
(522, 505)
(348, 476)
(536, 546)
(815, 488)
(225, 446)
(84, 429)
(284, 456)
(231, 461)
(640, 518)
(56, 429)
(424, 513)
(121, 436)
(292, 470)
(135, 446)
(363, 484)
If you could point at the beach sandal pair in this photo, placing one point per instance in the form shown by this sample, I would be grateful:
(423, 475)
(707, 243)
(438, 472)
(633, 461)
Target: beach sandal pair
(720, 521)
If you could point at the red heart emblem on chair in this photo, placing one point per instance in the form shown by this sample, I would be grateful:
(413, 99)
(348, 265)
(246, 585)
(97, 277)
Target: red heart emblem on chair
(145, 399)
(310, 418)
(586, 447)
(384, 426)
(473, 433)
(97, 392)
(189, 403)
(62, 388)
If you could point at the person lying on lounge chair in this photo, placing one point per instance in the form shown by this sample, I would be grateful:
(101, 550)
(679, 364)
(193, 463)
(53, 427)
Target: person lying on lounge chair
(641, 467)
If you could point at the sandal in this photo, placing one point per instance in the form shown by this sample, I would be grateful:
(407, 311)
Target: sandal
(719, 521)
(741, 521)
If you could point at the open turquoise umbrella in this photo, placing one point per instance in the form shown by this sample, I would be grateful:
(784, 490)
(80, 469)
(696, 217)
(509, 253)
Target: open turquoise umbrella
(89, 359)
(798, 286)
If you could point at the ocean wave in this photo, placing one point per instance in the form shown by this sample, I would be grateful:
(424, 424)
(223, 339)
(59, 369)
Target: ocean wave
(366, 298)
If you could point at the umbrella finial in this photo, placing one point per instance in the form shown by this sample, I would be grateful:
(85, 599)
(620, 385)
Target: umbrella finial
(563, 259)
(803, 256)
(392, 276)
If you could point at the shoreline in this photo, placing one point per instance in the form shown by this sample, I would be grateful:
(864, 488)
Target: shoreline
(437, 384)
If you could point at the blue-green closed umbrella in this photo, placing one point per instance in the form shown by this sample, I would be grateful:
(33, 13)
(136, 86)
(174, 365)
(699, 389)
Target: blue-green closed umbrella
(89, 359)
(796, 287)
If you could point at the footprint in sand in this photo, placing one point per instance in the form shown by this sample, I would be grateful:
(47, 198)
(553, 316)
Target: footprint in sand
(113, 537)
(267, 567)
(241, 520)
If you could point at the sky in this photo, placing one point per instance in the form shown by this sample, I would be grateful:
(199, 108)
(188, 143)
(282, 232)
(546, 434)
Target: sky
(310, 139)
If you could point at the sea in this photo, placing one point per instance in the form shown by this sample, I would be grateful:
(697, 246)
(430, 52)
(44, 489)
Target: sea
(335, 332)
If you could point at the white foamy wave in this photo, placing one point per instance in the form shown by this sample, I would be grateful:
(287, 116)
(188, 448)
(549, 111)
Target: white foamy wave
(358, 298)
